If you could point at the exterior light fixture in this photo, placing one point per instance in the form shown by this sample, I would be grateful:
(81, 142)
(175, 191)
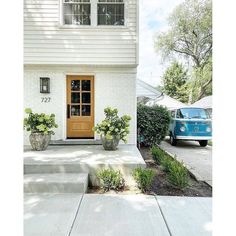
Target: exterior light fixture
(44, 85)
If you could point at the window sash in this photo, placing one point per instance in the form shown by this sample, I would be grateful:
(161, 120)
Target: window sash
(110, 13)
(76, 12)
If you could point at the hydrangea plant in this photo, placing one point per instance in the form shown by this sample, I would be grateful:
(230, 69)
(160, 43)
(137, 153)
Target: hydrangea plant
(39, 123)
(113, 125)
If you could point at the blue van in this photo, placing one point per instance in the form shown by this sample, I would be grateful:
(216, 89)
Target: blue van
(190, 123)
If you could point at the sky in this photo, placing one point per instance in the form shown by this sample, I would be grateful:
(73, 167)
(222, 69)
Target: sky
(153, 19)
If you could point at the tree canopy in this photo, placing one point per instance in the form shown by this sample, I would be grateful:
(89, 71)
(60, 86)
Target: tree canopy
(174, 82)
(189, 37)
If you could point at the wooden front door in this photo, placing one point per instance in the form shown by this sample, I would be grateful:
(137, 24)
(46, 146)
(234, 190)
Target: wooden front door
(80, 106)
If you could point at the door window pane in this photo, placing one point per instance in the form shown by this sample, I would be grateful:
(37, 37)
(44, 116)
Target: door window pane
(86, 110)
(75, 110)
(75, 97)
(75, 85)
(86, 98)
(85, 85)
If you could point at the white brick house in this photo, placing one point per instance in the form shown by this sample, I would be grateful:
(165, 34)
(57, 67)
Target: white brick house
(89, 51)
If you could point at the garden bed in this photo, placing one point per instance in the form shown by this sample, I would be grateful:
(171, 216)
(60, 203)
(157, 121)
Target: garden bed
(160, 185)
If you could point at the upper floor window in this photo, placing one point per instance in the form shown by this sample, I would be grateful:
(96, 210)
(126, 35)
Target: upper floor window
(77, 12)
(110, 12)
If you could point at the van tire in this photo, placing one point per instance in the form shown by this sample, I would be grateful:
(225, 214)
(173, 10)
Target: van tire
(203, 143)
(173, 141)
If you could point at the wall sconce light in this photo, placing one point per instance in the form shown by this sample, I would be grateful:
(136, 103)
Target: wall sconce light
(44, 85)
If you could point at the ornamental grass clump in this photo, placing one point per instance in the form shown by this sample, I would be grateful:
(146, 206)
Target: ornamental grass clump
(178, 175)
(166, 163)
(39, 123)
(113, 125)
(157, 154)
(143, 178)
(111, 179)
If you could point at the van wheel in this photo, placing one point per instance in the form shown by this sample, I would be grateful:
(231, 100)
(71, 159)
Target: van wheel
(203, 143)
(173, 141)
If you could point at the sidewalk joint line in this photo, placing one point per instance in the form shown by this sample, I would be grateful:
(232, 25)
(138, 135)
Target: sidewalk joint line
(167, 226)
(76, 214)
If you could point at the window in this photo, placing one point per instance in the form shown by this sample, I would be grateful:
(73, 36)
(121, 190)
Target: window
(192, 113)
(76, 12)
(173, 114)
(110, 12)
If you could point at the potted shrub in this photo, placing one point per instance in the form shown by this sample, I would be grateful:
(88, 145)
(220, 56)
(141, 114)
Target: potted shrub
(40, 126)
(113, 129)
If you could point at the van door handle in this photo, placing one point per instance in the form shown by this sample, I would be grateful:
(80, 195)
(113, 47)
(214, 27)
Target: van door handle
(68, 111)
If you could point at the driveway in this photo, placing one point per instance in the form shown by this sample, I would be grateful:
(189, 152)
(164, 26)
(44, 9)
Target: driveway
(196, 158)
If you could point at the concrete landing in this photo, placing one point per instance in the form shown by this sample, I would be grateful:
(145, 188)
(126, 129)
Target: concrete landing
(83, 159)
(116, 215)
(56, 183)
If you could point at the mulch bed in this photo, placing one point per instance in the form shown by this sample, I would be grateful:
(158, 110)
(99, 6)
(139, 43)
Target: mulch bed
(162, 187)
(160, 184)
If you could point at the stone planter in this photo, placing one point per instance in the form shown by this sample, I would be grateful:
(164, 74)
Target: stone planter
(110, 144)
(39, 141)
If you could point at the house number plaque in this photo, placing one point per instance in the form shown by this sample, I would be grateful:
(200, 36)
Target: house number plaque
(46, 99)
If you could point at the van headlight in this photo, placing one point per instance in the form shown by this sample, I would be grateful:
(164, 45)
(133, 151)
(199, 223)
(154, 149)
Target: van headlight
(182, 129)
(208, 129)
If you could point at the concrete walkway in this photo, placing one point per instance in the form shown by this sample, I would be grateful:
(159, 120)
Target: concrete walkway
(196, 158)
(116, 215)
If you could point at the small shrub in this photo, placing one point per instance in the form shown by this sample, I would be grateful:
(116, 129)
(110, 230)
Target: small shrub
(143, 178)
(39, 123)
(178, 175)
(111, 179)
(153, 123)
(113, 125)
(157, 154)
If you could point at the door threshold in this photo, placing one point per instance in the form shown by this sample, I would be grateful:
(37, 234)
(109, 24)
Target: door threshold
(76, 142)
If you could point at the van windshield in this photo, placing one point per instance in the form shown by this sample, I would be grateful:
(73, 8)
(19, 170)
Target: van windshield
(192, 113)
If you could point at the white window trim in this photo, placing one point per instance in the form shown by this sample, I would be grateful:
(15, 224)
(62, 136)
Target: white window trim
(93, 19)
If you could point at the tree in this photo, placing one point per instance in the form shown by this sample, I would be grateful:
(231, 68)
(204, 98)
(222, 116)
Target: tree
(189, 37)
(174, 82)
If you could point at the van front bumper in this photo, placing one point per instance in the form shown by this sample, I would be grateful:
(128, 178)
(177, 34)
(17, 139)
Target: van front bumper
(194, 137)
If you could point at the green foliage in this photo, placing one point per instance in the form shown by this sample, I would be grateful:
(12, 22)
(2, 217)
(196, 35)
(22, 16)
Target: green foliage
(113, 125)
(178, 175)
(111, 179)
(189, 38)
(175, 82)
(39, 123)
(166, 163)
(153, 123)
(143, 178)
(157, 154)
(201, 83)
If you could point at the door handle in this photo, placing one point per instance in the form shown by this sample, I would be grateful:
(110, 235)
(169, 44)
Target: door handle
(68, 111)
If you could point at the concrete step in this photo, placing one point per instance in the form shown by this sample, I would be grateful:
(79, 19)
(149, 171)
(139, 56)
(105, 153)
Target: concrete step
(56, 183)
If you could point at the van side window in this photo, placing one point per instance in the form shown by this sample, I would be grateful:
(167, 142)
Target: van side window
(179, 114)
(173, 114)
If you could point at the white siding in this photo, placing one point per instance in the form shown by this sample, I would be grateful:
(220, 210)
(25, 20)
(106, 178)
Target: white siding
(46, 42)
(110, 90)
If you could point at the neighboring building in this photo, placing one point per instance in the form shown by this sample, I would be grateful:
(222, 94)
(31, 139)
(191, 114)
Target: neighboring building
(88, 50)
(154, 97)
(205, 103)
(145, 90)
